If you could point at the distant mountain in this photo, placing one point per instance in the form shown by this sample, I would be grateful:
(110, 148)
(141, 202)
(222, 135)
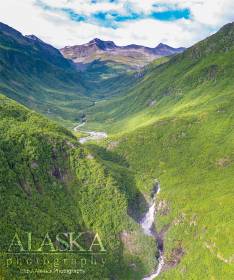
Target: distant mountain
(134, 55)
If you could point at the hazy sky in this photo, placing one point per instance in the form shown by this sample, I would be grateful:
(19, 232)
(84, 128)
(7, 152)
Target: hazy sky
(145, 22)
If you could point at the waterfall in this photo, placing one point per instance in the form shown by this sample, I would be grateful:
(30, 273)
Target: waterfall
(147, 224)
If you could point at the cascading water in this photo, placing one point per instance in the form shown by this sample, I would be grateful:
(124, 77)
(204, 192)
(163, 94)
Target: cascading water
(147, 225)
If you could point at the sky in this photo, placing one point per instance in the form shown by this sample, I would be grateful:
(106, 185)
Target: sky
(144, 22)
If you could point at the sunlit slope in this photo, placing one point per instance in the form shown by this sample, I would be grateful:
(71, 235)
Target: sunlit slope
(199, 79)
(193, 158)
(177, 125)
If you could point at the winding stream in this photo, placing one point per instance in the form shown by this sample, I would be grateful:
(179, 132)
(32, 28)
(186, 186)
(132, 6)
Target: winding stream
(147, 224)
(92, 135)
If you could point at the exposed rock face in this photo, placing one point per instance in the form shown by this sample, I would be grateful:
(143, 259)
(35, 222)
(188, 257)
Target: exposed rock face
(103, 45)
(108, 50)
(165, 50)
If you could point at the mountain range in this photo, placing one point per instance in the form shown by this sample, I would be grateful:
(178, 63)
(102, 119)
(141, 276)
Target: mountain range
(50, 74)
(134, 55)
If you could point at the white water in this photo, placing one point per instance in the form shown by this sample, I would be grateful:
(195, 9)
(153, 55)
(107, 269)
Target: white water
(147, 226)
(159, 269)
(92, 135)
(148, 220)
(78, 126)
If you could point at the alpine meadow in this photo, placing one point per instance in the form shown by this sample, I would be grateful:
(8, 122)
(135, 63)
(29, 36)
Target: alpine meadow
(116, 160)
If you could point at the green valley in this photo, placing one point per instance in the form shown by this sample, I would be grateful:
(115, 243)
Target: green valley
(38, 76)
(170, 122)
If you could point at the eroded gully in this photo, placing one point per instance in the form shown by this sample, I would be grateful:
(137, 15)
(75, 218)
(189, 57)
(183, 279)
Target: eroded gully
(147, 222)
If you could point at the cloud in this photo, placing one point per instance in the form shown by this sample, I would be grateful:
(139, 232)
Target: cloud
(112, 13)
(148, 22)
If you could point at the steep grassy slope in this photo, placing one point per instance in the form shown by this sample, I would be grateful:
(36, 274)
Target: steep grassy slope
(49, 183)
(177, 125)
(193, 159)
(188, 82)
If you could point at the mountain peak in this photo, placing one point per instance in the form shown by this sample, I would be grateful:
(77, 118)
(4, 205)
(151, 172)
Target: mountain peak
(164, 50)
(133, 55)
(103, 45)
(34, 38)
(162, 45)
(96, 40)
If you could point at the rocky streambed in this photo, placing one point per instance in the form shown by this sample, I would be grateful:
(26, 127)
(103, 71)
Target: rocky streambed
(91, 135)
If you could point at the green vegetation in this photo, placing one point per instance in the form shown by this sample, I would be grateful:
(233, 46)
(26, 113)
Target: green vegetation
(36, 75)
(197, 80)
(49, 183)
(177, 125)
(105, 79)
(193, 159)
